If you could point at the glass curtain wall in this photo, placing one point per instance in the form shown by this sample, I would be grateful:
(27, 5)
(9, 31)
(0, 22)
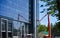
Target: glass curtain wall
(20, 29)
(11, 8)
(6, 30)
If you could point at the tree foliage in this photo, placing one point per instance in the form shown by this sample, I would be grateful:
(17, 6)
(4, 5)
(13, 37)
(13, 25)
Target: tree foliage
(54, 9)
(52, 6)
(42, 28)
(57, 26)
(56, 29)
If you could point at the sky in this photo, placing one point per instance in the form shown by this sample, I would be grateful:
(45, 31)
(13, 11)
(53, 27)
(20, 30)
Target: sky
(53, 20)
(11, 8)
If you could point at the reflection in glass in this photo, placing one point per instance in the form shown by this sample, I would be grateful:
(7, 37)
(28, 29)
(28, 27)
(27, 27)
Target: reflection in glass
(4, 23)
(19, 29)
(11, 8)
(10, 25)
(16, 28)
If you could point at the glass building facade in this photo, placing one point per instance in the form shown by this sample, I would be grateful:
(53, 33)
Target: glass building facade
(11, 8)
(6, 25)
(22, 12)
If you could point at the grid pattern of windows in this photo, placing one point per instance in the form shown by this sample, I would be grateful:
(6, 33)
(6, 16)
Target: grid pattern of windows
(5, 28)
(4, 24)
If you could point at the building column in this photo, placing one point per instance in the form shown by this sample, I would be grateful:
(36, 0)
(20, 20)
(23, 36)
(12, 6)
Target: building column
(12, 29)
(7, 29)
(27, 28)
(24, 31)
(31, 26)
(21, 29)
(34, 22)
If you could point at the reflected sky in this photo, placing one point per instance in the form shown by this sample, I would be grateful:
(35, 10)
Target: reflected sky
(11, 8)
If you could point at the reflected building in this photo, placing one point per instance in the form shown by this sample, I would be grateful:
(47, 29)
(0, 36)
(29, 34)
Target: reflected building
(6, 25)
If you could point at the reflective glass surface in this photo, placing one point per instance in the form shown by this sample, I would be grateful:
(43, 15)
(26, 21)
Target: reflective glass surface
(10, 24)
(4, 23)
(11, 8)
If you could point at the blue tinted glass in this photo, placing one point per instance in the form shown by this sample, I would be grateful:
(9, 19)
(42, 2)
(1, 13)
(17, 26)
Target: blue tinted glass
(4, 23)
(9, 25)
(11, 8)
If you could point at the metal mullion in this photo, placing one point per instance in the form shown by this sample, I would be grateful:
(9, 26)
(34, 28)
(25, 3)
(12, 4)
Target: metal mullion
(0, 28)
(7, 29)
(24, 31)
(21, 30)
(27, 29)
(35, 27)
(12, 29)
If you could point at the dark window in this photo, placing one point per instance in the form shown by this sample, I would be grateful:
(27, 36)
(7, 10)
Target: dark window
(4, 23)
(9, 26)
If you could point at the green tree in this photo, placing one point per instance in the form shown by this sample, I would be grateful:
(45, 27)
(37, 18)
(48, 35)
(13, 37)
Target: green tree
(56, 29)
(57, 26)
(42, 28)
(54, 9)
(52, 6)
(52, 26)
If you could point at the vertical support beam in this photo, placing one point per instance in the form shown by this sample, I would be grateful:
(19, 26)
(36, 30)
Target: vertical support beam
(12, 29)
(21, 29)
(35, 26)
(32, 17)
(27, 28)
(31, 14)
(49, 27)
(7, 29)
(0, 29)
(24, 31)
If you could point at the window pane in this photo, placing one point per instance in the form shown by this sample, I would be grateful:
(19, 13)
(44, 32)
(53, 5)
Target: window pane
(10, 25)
(4, 23)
